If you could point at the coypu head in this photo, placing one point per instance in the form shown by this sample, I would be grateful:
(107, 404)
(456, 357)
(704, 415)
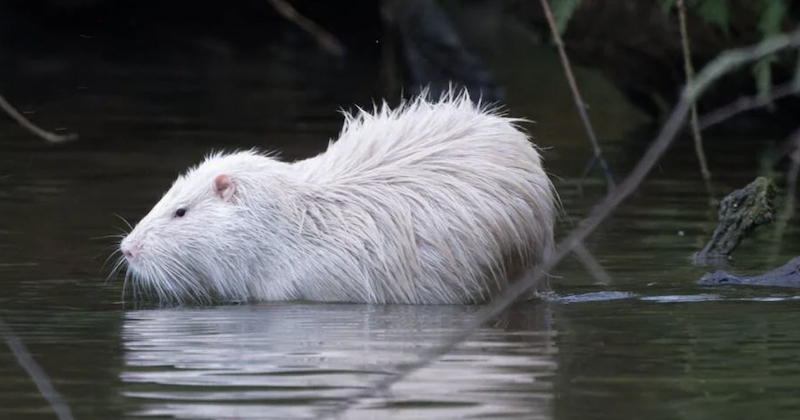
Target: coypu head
(191, 245)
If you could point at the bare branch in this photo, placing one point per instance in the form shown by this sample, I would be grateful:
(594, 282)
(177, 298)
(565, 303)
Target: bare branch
(36, 373)
(713, 71)
(325, 40)
(698, 139)
(594, 268)
(576, 95)
(792, 148)
(746, 103)
(46, 135)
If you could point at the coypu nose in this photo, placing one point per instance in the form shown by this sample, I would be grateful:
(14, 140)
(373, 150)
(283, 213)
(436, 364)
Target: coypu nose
(128, 249)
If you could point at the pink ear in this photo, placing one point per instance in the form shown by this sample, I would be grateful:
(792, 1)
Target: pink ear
(224, 187)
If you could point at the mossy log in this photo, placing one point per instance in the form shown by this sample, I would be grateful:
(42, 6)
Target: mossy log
(740, 212)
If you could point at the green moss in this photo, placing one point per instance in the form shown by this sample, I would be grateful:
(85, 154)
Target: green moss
(739, 213)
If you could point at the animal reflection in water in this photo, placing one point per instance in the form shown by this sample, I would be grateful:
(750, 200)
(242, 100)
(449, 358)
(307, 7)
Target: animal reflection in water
(284, 361)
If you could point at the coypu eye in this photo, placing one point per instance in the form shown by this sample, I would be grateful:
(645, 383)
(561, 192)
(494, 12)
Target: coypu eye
(180, 212)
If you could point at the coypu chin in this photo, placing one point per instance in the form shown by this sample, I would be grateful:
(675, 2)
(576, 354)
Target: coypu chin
(433, 202)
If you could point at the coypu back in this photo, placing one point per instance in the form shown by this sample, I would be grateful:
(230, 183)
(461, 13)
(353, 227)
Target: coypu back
(434, 202)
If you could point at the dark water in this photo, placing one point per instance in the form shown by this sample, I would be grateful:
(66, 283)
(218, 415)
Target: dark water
(650, 345)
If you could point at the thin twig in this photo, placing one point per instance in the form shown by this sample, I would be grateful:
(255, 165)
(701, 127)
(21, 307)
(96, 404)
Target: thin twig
(791, 193)
(36, 373)
(698, 139)
(713, 71)
(581, 253)
(576, 95)
(43, 134)
(594, 268)
(746, 103)
(325, 40)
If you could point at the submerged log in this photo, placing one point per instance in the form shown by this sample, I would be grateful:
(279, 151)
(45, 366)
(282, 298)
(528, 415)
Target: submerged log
(787, 275)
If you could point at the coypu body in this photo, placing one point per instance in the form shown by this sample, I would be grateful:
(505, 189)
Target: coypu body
(434, 202)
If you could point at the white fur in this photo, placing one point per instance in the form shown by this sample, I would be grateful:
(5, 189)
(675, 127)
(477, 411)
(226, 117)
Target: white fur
(435, 202)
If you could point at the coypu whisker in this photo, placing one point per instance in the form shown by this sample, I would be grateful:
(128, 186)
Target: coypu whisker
(127, 223)
(104, 237)
(118, 264)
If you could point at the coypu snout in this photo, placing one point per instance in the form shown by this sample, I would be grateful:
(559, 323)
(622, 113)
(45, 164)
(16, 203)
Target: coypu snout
(128, 248)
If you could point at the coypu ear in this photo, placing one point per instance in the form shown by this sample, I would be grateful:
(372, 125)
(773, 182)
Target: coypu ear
(224, 187)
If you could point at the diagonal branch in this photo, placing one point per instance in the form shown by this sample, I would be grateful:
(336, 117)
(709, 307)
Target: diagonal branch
(36, 373)
(746, 103)
(725, 63)
(325, 40)
(46, 135)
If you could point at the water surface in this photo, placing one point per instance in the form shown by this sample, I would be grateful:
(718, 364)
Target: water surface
(649, 345)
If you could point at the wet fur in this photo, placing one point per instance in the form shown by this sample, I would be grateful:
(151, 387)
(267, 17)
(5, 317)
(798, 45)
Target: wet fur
(434, 202)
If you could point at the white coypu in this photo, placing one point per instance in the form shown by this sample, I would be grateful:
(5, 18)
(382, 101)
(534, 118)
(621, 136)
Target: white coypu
(433, 202)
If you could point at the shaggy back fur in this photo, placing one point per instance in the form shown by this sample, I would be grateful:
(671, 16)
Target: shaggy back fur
(435, 202)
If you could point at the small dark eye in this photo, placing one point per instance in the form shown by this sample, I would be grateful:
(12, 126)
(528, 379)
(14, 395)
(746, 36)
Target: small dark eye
(180, 212)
